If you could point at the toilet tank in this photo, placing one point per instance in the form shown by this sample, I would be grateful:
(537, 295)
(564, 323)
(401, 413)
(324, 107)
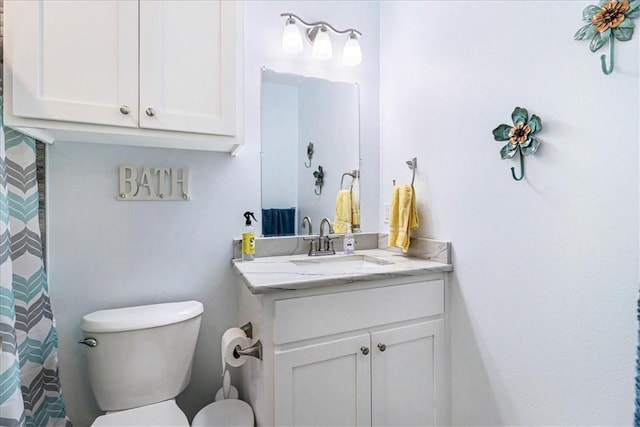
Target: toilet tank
(143, 354)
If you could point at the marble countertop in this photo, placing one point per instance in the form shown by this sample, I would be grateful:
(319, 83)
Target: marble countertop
(277, 273)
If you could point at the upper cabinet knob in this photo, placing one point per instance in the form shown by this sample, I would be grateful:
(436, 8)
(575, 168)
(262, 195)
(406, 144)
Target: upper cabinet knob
(150, 112)
(125, 109)
(364, 350)
(382, 347)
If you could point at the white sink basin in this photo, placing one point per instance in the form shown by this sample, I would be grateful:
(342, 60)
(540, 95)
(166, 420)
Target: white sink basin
(340, 263)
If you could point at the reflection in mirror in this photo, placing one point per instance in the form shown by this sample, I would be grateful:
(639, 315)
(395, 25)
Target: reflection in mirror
(298, 111)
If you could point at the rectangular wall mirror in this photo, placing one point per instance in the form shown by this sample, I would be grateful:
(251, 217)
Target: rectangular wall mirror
(297, 111)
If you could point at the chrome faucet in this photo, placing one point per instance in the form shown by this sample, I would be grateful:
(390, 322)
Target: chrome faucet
(325, 244)
(307, 220)
(322, 223)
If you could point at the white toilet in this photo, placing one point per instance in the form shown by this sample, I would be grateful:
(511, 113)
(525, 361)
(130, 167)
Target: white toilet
(139, 360)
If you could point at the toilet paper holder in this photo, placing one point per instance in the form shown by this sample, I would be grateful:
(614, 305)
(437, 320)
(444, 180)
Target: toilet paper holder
(247, 328)
(254, 351)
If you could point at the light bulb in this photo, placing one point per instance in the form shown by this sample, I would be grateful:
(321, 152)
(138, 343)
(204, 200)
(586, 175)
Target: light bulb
(351, 54)
(322, 45)
(291, 38)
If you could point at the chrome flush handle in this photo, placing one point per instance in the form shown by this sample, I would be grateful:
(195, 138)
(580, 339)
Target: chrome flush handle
(91, 342)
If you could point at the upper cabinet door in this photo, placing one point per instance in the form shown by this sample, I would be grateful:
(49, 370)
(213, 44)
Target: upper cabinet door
(188, 66)
(74, 61)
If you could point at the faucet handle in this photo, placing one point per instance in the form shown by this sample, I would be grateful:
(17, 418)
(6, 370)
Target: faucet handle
(312, 247)
(330, 245)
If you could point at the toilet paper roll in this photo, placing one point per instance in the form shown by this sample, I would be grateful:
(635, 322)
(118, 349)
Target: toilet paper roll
(231, 338)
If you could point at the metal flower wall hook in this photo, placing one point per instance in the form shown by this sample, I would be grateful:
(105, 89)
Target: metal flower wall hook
(611, 20)
(309, 155)
(520, 137)
(319, 176)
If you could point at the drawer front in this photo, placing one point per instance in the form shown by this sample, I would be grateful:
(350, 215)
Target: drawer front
(309, 317)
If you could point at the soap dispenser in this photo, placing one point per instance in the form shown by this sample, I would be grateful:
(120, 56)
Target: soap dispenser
(349, 243)
(248, 238)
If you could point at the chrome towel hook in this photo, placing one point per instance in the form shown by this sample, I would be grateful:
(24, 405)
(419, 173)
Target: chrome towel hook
(413, 164)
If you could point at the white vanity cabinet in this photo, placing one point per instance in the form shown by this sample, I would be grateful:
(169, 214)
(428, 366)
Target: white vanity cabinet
(152, 72)
(363, 354)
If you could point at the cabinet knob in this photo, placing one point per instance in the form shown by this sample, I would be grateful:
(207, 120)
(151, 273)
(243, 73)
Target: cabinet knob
(364, 350)
(382, 347)
(125, 109)
(150, 112)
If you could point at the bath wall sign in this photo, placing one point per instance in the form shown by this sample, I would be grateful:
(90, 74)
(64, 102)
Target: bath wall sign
(519, 137)
(153, 183)
(610, 20)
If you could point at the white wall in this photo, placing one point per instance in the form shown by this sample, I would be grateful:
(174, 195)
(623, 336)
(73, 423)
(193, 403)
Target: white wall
(544, 291)
(104, 253)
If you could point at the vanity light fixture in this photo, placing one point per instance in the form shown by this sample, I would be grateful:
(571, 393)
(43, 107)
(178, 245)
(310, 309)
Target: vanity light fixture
(317, 33)
(291, 38)
(322, 48)
(351, 54)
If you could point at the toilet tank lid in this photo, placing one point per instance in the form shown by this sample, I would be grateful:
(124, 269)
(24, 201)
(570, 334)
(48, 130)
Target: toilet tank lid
(140, 317)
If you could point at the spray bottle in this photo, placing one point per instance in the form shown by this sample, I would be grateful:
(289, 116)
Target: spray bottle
(248, 238)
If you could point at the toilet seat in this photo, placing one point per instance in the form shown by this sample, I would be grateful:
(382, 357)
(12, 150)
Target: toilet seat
(163, 414)
(228, 412)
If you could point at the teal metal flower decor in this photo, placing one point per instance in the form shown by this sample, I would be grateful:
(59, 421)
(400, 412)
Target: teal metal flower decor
(519, 136)
(319, 176)
(610, 20)
(309, 154)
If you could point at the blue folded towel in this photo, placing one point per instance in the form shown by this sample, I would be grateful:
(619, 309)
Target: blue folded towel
(278, 222)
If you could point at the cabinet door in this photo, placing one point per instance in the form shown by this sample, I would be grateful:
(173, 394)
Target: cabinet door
(406, 373)
(188, 66)
(327, 384)
(74, 61)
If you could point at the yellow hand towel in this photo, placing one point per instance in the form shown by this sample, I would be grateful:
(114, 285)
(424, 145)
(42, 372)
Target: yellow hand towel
(403, 216)
(342, 220)
(355, 211)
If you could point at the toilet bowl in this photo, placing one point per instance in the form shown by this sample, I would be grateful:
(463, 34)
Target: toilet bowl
(163, 414)
(139, 359)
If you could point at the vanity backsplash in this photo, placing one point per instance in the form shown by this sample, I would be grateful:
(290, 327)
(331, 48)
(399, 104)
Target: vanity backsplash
(434, 250)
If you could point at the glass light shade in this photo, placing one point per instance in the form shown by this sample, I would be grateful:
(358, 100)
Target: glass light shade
(291, 38)
(352, 55)
(322, 45)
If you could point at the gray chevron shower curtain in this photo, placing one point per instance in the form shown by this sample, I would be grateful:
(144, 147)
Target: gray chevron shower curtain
(30, 392)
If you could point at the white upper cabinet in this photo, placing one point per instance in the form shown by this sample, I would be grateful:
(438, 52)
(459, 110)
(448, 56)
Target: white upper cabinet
(75, 61)
(182, 88)
(154, 73)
